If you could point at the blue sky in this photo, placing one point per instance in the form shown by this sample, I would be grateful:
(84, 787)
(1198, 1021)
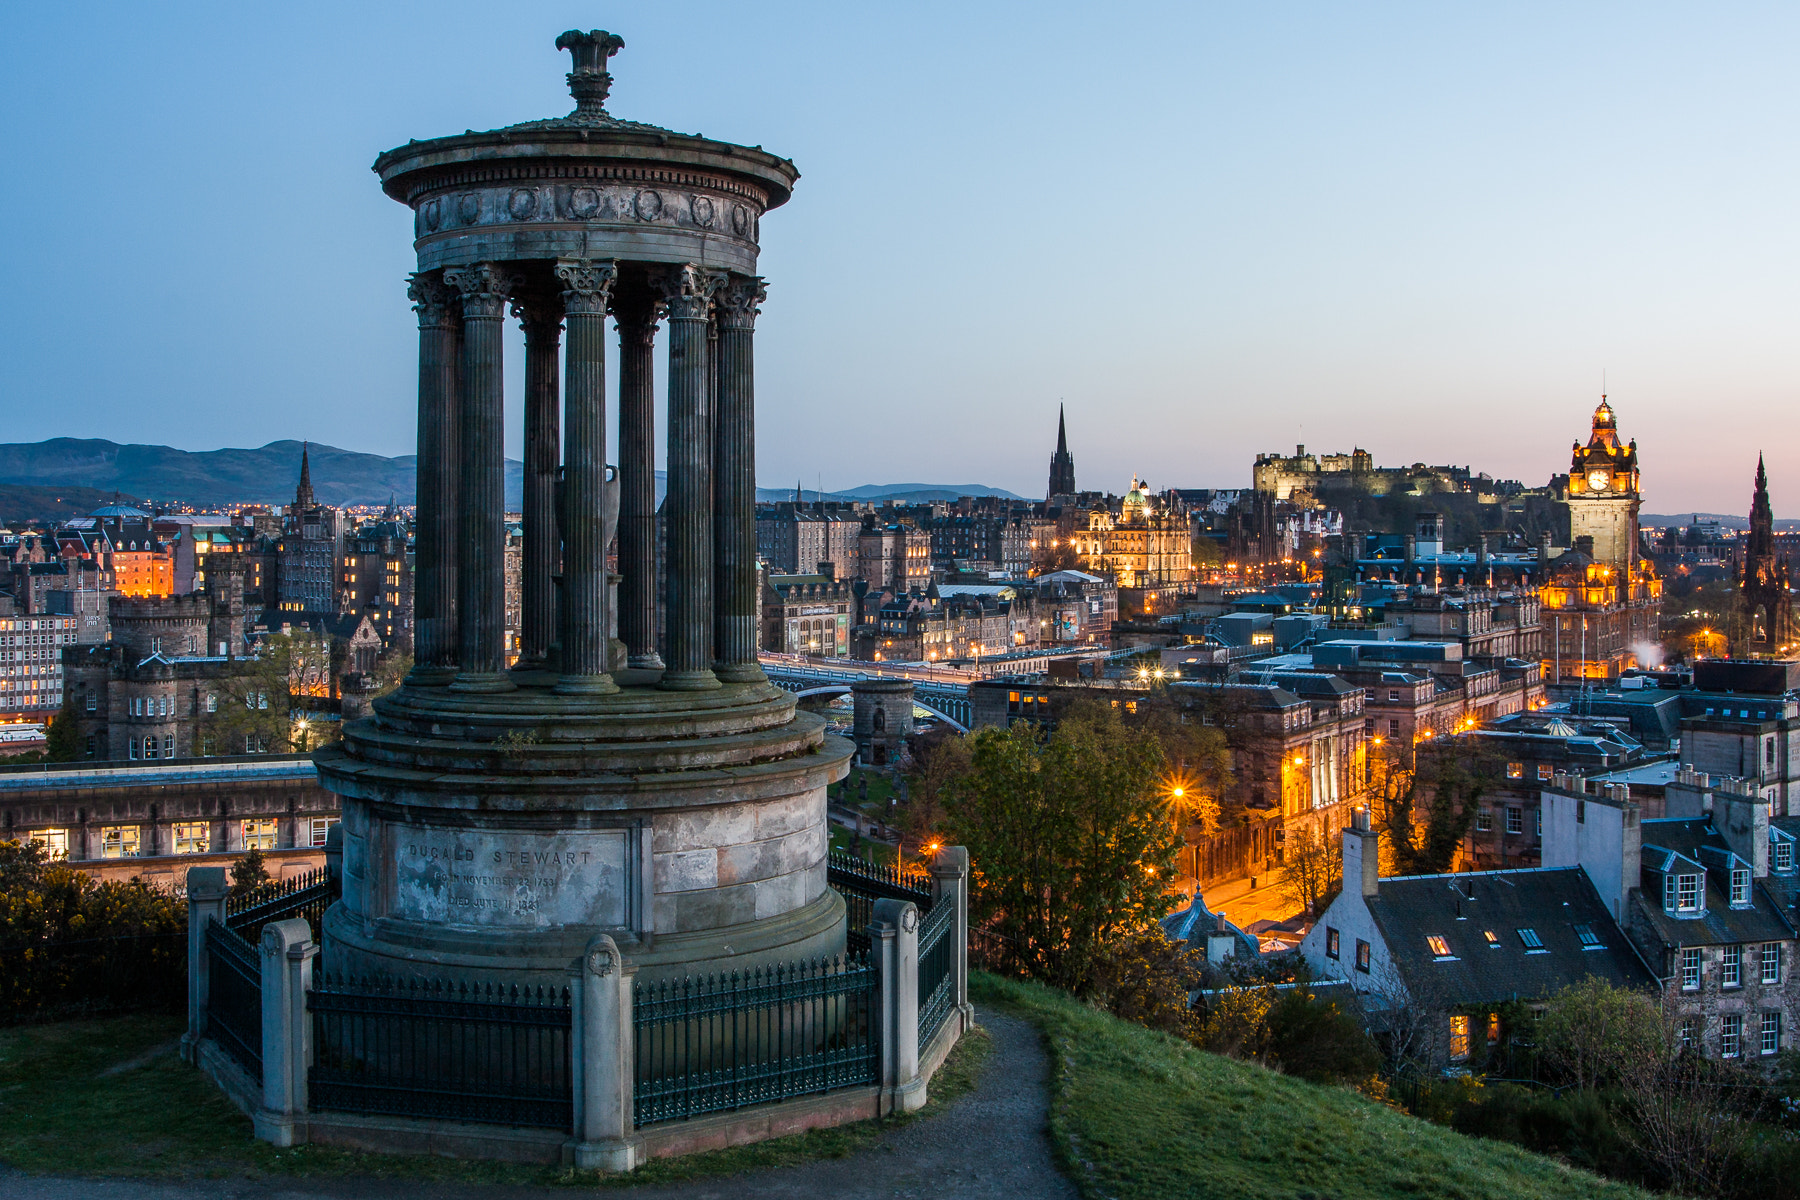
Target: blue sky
(1209, 229)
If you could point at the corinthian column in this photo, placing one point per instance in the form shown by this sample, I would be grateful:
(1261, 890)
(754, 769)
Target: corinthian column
(585, 635)
(688, 290)
(540, 316)
(637, 310)
(434, 569)
(734, 484)
(481, 595)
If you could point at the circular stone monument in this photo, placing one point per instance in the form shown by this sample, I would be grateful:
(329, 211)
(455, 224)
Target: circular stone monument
(518, 795)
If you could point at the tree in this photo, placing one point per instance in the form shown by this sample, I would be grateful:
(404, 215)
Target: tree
(1590, 1029)
(1425, 800)
(249, 874)
(1311, 871)
(938, 761)
(391, 671)
(1069, 836)
(255, 709)
(1694, 1118)
(63, 738)
(1199, 757)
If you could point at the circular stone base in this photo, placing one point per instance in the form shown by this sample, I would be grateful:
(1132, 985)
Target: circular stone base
(491, 836)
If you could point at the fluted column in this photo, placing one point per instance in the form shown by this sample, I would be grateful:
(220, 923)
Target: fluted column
(585, 635)
(540, 316)
(481, 594)
(734, 483)
(688, 290)
(637, 310)
(435, 558)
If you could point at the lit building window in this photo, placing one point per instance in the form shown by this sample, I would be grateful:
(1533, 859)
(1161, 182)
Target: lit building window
(119, 841)
(191, 837)
(259, 833)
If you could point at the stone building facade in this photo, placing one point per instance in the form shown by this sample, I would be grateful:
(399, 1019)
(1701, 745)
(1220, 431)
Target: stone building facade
(807, 614)
(158, 822)
(894, 557)
(1142, 545)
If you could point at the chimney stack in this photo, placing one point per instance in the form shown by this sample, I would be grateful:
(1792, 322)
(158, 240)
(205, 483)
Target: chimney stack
(1362, 852)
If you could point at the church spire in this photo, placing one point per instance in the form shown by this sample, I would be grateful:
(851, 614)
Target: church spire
(1062, 463)
(303, 495)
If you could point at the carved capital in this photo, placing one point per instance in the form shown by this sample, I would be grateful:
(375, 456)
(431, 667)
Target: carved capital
(740, 300)
(587, 284)
(688, 290)
(484, 288)
(431, 300)
(539, 311)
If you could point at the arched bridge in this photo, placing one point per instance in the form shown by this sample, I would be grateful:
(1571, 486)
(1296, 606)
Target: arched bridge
(945, 699)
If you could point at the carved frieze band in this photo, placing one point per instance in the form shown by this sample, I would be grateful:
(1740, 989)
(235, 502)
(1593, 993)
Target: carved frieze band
(688, 290)
(485, 288)
(740, 300)
(587, 284)
(619, 203)
(431, 300)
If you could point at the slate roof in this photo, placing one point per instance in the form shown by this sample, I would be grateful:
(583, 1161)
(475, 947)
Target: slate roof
(1720, 924)
(1461, 908)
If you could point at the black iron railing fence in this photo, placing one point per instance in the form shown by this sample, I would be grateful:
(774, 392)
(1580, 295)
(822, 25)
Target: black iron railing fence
(996, 953)
(861, 884)
(937, 970)
(307, 896)
(234, 997)
(440, 1049)
(80, 976)
(727, 1041)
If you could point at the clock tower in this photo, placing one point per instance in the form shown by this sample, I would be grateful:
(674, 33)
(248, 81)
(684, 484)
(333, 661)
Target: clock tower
(1603, 494)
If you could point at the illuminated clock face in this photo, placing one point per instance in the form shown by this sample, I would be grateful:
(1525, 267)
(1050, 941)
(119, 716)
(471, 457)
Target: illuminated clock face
(1597, 481)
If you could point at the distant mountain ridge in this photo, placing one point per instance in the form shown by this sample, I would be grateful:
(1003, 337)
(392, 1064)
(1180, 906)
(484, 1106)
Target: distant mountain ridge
(268, 475)
(1725, 520)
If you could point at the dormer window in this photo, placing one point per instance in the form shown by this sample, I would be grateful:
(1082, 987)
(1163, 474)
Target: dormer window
(1687, 893)
(1740, 887)
(1784, 854)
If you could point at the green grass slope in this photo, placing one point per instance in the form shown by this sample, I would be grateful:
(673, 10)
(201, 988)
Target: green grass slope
(1137, 1115)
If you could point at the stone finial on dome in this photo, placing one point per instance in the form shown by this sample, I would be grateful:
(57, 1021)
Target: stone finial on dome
(590, 81)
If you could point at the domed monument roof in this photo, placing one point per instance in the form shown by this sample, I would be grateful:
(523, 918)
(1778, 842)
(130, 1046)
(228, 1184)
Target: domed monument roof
(536, 189)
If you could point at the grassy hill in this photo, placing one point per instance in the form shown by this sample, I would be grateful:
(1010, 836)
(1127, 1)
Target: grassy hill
(1137, 1115)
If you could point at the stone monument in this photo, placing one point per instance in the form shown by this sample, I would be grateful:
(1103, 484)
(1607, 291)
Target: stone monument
(881, 720)
(499, 815)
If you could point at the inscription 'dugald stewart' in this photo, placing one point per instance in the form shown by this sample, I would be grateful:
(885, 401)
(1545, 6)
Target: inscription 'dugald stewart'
(521, 881)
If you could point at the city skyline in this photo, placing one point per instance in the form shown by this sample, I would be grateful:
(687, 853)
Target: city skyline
(1423, 233)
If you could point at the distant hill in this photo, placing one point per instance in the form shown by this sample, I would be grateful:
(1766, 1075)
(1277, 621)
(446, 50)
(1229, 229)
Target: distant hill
(891, 493)
(207, 478)
(73, 467)
(21, 504)
(1726, 520)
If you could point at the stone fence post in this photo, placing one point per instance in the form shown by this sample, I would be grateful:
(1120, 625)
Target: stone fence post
(894, 934)
(287, 963)
(206, 892)
(601, 1055)
(950, 885)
